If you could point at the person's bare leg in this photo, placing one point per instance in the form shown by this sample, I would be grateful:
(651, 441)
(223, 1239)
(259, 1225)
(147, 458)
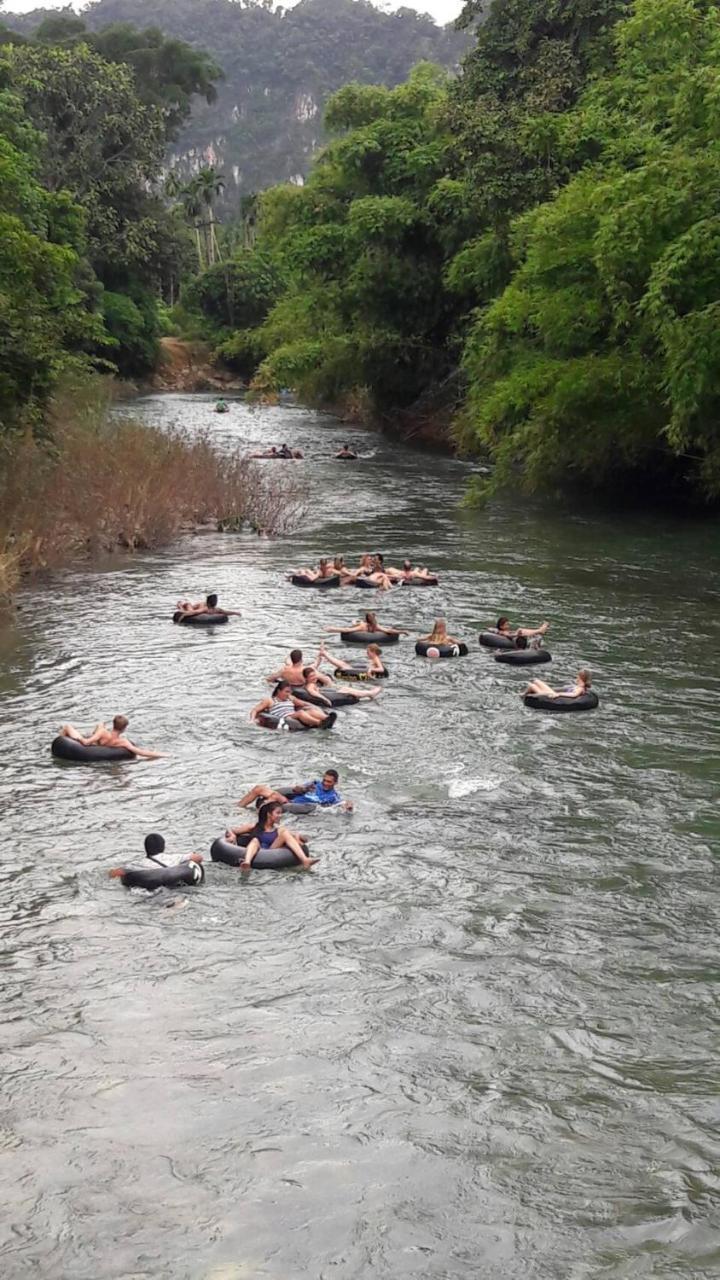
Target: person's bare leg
(69, 731)
(287, 839)
(305, 718)
(539, 686)
(312, 716)
(260, 790)
(250, 852)
(362, 693)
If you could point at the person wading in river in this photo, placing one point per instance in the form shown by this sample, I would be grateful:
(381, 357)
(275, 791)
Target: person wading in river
(114, 737)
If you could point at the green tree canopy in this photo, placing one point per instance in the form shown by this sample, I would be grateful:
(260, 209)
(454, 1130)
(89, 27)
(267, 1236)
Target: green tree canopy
(602, 356)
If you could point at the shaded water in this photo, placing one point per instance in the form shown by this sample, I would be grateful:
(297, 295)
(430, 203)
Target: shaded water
(481, 1039)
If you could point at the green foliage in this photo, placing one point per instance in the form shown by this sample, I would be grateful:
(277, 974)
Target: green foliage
(362, 247)
(133, 326)
(281, 64)
(236, 294)
(45, 323)
(601, 357)
(104, 119)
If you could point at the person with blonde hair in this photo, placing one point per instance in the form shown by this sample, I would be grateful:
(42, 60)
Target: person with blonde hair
(375, 664)
(439, 634)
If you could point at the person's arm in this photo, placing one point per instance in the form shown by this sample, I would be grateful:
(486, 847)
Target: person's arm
(263, 705)
(95, 736)
(141, 752)
(354, 626)
(323, 679)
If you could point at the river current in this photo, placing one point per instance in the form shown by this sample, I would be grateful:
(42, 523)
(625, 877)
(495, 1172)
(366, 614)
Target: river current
(480, 1039)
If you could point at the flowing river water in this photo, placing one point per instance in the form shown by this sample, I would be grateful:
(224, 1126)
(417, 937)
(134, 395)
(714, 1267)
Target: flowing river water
(481, 1038)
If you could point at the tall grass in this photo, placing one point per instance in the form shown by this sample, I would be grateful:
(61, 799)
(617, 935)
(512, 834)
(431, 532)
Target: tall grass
(99, 483)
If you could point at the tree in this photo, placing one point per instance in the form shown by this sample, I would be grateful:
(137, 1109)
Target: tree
(363, 247)
(46, 323)
(601, 359)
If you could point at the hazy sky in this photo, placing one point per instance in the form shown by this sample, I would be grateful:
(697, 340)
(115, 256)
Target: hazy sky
(441, 10)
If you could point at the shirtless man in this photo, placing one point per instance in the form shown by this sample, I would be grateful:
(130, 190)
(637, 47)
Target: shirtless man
(346, 452)
(186, 608)
(292, 670)
(115, 737)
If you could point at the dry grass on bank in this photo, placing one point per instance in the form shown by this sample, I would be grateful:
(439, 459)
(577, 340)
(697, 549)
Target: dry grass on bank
(107, 482)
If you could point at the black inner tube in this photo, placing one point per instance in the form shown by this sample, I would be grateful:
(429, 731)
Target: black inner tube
(522, 657)
(420, 582)
(367, 637)
(334, 697)
(365, 583)
(322, 584)
(496, 640)
(358, 671)
(288, 724)
(200, 619)
(68, 749)
(444, 650)
(155, 877)
(232, 855)
(539, 702)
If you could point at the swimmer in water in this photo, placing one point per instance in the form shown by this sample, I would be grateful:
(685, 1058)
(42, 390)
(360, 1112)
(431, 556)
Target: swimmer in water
(268, 834)
(583, 684)
(321, 792)
(368, 623)
(439, 634)
(503, 628)
(375, 665)
(114, 737)
(283, 706)
(186, 608)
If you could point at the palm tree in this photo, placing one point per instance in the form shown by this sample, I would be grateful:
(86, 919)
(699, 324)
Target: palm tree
(193, 206)
(208, 184)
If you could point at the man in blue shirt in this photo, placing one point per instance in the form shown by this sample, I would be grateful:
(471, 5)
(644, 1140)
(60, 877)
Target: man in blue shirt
(321, 792)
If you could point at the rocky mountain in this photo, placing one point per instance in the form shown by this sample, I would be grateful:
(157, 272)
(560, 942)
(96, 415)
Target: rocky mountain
(280, 66)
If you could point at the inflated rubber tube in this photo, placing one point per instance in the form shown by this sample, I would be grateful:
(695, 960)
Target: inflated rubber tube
(586, 702)
(152, 878)
(367, 637)
(360, 672)
(294, 804)
(522, 657)
(443, 650)
(322, 584)
(68, 749)
(333, 696)
(232, 855)
(295, 726)
(200, 619)
(495, 640)
(420, 582)
(365, 583)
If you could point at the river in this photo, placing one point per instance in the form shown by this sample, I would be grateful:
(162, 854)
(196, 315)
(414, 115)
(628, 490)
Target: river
(480, 1039)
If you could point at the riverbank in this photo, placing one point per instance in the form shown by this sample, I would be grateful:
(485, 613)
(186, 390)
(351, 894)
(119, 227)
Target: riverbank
(100, 483)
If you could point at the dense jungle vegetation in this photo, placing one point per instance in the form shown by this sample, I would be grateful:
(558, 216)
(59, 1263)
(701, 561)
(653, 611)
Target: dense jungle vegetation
(526, 250)
(280, 66)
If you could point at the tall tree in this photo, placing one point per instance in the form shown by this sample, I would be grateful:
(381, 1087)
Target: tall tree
(601, 359)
